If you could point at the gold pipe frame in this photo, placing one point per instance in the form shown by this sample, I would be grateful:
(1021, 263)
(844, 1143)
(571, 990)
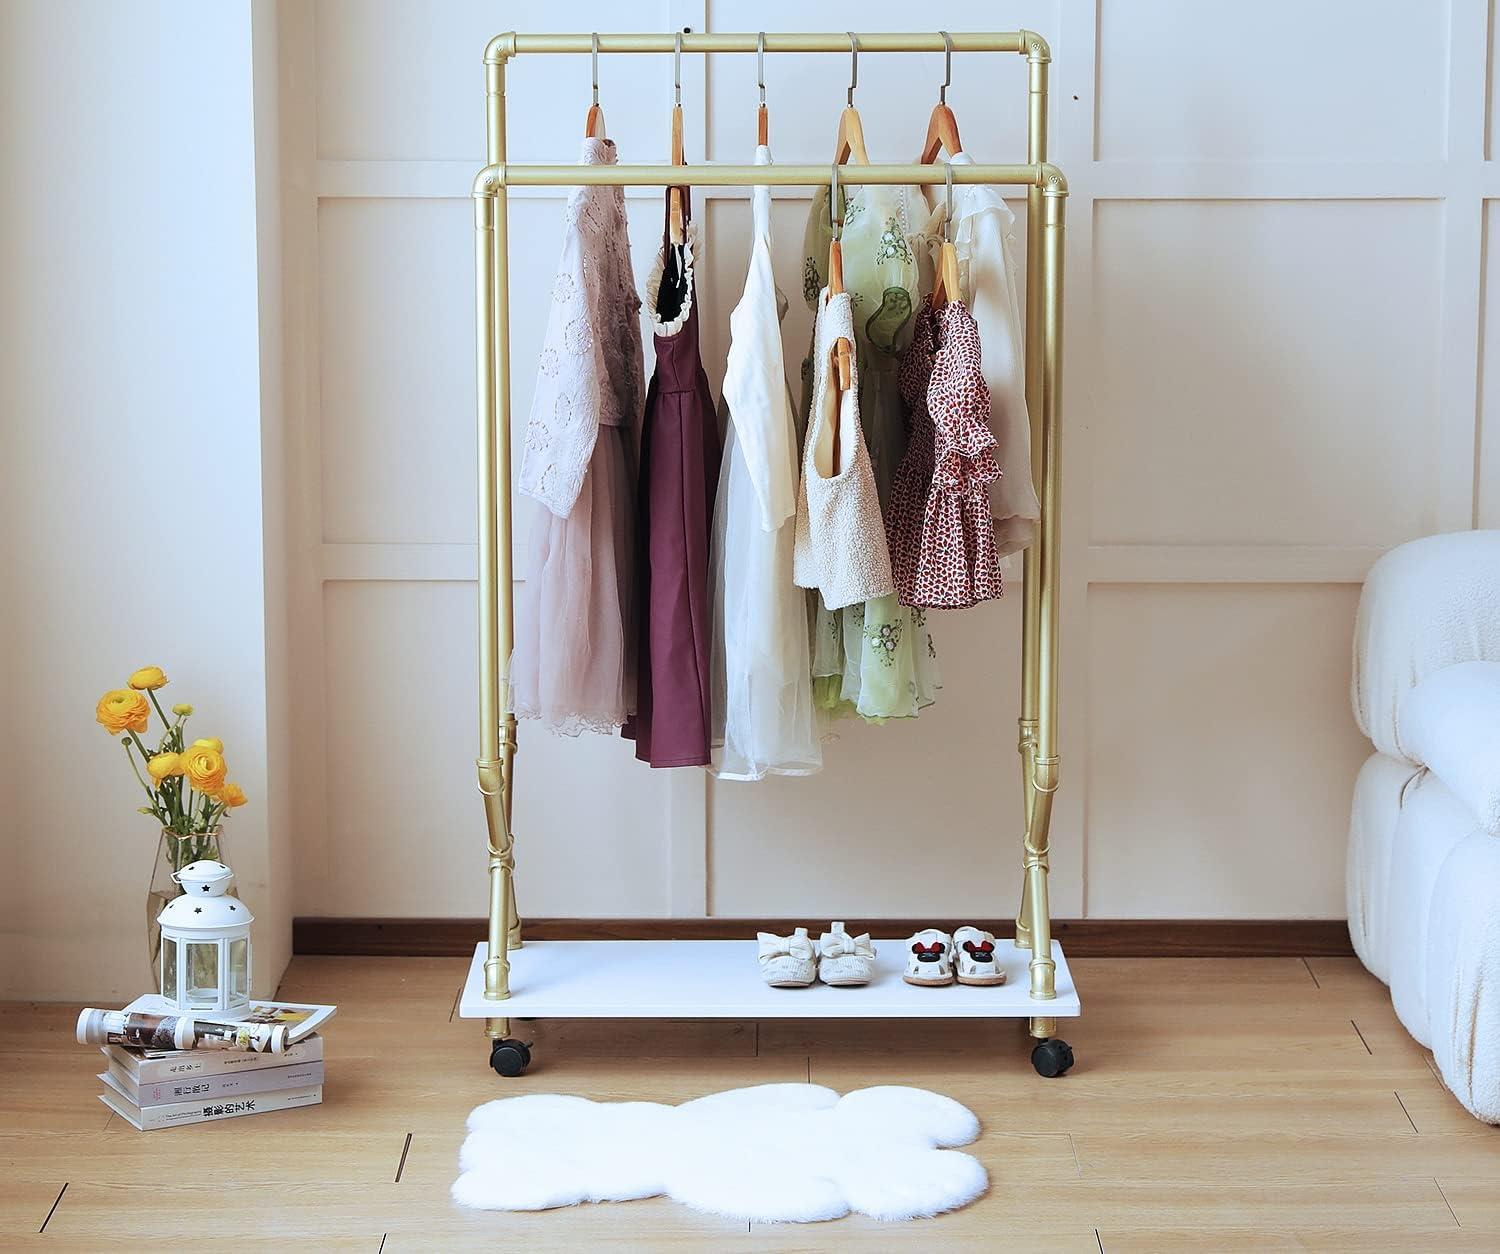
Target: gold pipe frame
(1046, 197)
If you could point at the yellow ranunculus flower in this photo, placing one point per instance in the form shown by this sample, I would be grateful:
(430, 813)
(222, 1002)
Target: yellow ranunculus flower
(232, 795)
(211, 742)
(165, 765)
(205, 768)
(151, 677)
(183, 710)
(122, 710)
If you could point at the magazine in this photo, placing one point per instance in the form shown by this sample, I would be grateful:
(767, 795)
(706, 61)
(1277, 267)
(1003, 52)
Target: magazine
(299, 1020)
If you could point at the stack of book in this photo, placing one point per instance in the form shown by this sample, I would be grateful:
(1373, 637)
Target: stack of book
(164, 1088)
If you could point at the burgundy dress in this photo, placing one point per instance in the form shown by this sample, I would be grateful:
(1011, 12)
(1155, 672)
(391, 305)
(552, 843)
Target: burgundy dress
(675, 504)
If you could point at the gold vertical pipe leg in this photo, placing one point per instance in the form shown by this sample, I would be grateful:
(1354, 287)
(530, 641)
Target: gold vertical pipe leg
(1045, 758)
(1038, 58)
(495, 608)
(495, 152)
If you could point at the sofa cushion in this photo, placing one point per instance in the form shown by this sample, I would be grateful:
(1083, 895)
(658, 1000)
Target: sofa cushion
(1426, 605)
(1450, 723)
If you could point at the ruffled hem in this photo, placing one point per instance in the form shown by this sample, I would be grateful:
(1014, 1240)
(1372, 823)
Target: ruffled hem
(957, 475)
(653, 283)
(960, 529)
(572, 724)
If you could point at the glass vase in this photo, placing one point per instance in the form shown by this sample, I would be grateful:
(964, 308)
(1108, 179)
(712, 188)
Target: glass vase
(173, 852)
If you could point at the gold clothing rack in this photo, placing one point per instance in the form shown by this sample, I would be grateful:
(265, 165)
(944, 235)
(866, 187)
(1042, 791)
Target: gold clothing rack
(490, 984)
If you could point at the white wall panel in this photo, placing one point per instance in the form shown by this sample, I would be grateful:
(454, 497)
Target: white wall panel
(1221, 750)
(1261, 380)
(1340, 80)
(1487, 512)
(397, 371)
(403, 80)
(405, 826)
(1266, 372)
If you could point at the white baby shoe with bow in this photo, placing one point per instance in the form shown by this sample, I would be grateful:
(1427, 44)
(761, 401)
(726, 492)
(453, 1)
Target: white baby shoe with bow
(929, 958)
(788, 961)
(845, 961)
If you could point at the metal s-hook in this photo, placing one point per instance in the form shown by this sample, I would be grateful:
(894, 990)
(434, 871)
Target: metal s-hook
(595, 58)
(677, 71)
(760, 65)
(835, 223)
(947, 67)
(948, 205)
(853, 67)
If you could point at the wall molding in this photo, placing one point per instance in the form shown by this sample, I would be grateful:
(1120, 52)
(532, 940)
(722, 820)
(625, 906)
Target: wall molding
(1088, 938)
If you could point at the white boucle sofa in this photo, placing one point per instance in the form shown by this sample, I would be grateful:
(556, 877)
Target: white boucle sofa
(1423, 875)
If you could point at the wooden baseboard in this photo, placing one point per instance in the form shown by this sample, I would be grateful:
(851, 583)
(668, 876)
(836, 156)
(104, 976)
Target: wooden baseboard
(1082, 938)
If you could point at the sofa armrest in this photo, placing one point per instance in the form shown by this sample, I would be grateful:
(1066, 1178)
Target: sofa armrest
(1450, 723)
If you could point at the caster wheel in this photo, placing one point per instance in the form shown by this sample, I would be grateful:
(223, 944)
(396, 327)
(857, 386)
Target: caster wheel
(510, 1058)
(1052, 1058)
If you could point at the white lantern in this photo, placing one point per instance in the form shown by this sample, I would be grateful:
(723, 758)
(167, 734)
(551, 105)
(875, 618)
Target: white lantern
(205, 945)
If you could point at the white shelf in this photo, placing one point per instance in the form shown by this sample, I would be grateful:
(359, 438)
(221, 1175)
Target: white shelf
(717, 979)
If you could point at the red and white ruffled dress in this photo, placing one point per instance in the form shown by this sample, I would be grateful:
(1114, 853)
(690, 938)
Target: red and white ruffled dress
(938, 525)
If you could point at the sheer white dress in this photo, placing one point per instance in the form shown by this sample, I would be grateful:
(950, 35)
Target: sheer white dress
(760, 668)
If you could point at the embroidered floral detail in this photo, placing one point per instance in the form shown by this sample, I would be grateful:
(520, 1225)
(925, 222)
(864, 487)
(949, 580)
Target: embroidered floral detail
(885, 639)
(854, 205)
(811, 284)
(892, 245)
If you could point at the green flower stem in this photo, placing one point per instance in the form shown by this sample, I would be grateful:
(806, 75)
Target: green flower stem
(155, 801)
(166, 722)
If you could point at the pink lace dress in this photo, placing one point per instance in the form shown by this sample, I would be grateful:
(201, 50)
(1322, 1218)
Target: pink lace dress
(938, 525)
(574, 664)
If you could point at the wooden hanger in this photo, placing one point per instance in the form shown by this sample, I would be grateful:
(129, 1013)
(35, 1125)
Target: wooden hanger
(945, 286)
(593, 125)
(850, 141)
(942, 126)
(843, 350)
(676, 228)
(762, 122)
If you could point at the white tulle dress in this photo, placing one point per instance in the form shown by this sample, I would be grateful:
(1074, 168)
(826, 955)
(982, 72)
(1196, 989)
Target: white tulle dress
(760, 669)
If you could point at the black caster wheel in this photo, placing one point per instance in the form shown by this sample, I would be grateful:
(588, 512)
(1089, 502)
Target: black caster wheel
(510, 1058)
(1052, 1058)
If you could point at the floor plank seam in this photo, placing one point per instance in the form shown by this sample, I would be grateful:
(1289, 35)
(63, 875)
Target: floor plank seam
(1446, 1202)
(53, 1211)
(1407, 1113)
(1312, 973)
(1361, 1036)
(401, 1166)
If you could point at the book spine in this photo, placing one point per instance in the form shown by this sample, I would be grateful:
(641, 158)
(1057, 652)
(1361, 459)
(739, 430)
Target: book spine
(200, 1088)
(203, 1062)
(170, 1116)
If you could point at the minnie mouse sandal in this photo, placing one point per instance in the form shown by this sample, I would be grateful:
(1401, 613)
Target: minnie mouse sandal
(974, 953)
(929, 958)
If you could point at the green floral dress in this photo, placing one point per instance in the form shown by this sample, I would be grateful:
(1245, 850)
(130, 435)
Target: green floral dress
(876, 659)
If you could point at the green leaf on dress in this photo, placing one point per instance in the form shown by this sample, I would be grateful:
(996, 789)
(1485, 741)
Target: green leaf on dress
(883, 327)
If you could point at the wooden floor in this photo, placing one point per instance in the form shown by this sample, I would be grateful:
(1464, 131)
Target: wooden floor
(1217, 1105)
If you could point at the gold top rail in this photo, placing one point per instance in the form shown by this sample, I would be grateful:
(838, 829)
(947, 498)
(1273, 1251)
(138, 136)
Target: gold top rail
(1038, 174)
(513, 43)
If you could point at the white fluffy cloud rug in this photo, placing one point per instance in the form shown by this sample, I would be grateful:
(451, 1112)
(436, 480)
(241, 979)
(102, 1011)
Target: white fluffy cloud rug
(793, 1153)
